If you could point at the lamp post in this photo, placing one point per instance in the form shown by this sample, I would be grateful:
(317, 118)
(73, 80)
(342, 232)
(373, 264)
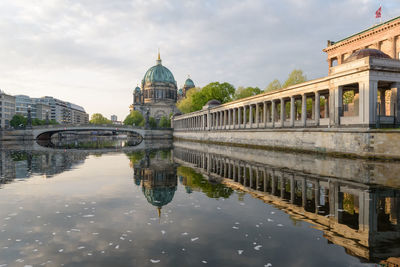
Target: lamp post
(47, 117)
(29, 118)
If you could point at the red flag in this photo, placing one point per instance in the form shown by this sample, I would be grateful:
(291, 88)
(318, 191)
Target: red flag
(378, 13)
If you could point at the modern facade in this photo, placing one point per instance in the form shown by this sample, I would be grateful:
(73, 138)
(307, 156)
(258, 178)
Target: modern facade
(158, 93)
(7, 109)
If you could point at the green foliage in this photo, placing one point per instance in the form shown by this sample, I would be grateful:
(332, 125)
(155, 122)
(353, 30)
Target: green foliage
(196, 181)
(242, 92)
(97, 118)
(152, 122)
(18, 120)
(135, 117)
(348, 97)
(295, 77)
(274, 85)
(196, 99)
(135, 156)
(164, 122)
(185, 105)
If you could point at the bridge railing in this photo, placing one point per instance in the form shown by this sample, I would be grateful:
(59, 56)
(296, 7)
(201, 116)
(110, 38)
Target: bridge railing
(89, 125)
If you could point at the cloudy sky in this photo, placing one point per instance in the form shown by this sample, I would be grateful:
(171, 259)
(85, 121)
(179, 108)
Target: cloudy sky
(94, 52)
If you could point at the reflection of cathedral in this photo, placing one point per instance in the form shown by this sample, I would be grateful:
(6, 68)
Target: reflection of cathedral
(158, 92)
(157, 176)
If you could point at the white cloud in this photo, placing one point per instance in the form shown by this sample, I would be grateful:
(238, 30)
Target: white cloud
(89, 52)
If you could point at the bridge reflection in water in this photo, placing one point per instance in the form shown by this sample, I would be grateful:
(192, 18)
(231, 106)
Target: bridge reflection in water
(362, 218)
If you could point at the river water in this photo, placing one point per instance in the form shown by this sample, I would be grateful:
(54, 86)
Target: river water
(188, 204)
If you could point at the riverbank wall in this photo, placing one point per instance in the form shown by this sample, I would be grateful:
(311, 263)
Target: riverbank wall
(342, 142)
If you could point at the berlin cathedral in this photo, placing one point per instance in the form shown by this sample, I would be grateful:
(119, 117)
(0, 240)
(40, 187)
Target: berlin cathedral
(158, 93)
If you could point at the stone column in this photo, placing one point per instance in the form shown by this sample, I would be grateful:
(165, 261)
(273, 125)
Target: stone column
(229, 118)
(265, 181)
(292, 188)
(234, 118)
(368, 96)
(396, 100)
(208, 120)
(338, 104)
(282, 186)
(244, 117)
(251, 176)
(239, 117)
(382, 102)
(283, 113)
(265, 113)
(292, 111)
(257, 115)
(303, 192)
(304, 110)
(273, 182)
(251, 116)
(273, 113)
(317, 109)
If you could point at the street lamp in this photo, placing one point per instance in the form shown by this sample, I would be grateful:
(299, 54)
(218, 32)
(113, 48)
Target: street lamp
(29, 119)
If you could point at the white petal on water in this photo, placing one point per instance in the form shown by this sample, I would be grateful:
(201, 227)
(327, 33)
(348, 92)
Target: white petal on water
(122, 238)
(90, 254)
(110, 244)
(279, 224)
(17, 240)
(66, 205)
(60, 250)
(54, 233)
(153, 219)
(194, 239)
(88, 216)
(117, 247)
(272, 212)
(270, 220)
(218, 208)
(75, 230)
(154, 261)
(3, 265)
(163, 232)
(237, 223)
(7, 218)
(240, 252)
(163, 252)
(95, 233)
(19, 260)
(183, 249)
(102, 252)
(257, 225)
(241, 203)
(148, 223)
(81, 247)
(235, 227)
(268, 265)
(205, 262)
(257, 247)
(27, 265)
(93, 202)
(91, 221)
(184, 233)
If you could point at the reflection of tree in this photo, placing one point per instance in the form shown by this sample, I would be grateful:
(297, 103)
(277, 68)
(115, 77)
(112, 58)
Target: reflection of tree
(135, 157)
(196, 181)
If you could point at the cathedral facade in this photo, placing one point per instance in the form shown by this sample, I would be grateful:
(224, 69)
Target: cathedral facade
(158, 93)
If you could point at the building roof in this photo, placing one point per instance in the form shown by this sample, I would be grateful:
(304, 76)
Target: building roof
(159, 73)
(366, 53)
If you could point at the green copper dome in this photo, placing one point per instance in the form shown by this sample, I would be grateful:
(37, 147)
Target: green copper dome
(189, 83)
(137, 89)
(159, 196)
(180, 91)
(159, 73)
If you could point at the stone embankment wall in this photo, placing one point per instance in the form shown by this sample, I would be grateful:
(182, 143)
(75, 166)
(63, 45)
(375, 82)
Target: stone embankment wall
(354, 142)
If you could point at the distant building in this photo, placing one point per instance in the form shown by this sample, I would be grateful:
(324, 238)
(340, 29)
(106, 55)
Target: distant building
(38, 110)
(384, 37)
(114, 118)
(7, 109)
(64, 112)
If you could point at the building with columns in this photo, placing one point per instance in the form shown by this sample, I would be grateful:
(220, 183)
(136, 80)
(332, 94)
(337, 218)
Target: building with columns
(158, 92)
(384, 37)
(362, 90)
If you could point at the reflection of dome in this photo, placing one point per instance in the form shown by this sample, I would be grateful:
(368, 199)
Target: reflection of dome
(189, 83)
(366, 53)
(159, 73)
(159, 196)
(137, 90)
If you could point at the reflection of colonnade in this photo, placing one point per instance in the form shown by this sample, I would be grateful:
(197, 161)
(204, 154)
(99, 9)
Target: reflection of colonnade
(356, 216)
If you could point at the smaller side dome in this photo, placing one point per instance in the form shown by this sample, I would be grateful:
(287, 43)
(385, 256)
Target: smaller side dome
(189, 83)
(137, 90)
(366, 53)
(180, 91)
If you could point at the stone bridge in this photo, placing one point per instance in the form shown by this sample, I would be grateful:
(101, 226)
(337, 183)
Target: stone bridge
(45, 132)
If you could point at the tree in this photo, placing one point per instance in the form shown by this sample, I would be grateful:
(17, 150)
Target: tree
(185, 105)
(164, 122)
(18, 121)
(135, 117)
(97, 118)
(222, 92)
(295, 77)
(152, 122)
(243, 92)
(274, 85)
